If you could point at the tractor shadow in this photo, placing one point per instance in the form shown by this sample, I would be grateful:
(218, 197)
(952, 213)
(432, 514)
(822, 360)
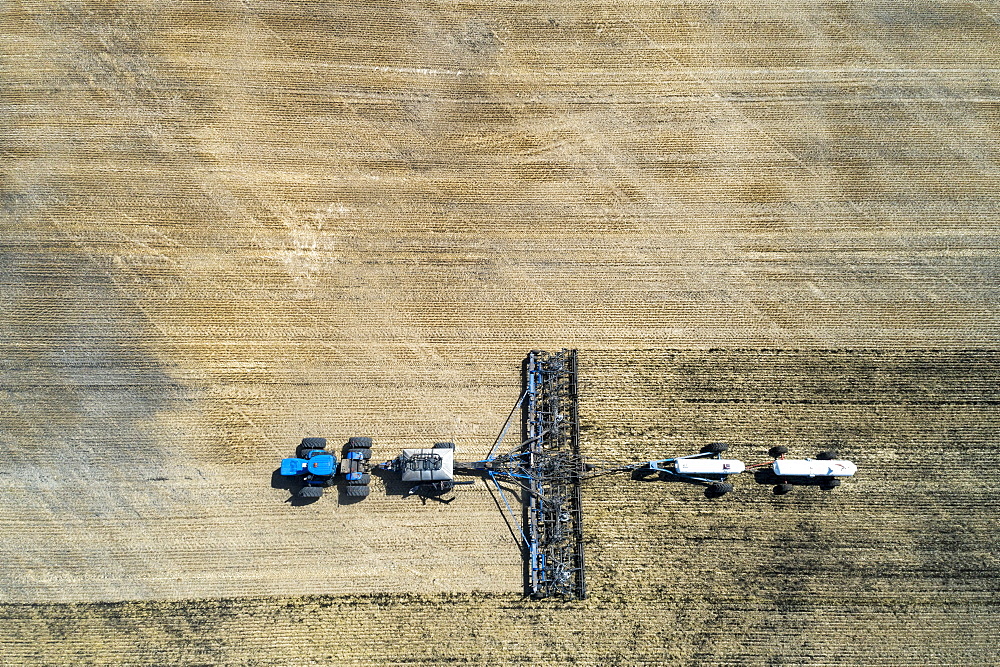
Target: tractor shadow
(646, 475)
(293, 486)
(394, 486)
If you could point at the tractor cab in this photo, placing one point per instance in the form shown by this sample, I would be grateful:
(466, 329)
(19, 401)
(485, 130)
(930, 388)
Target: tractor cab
(354, 465)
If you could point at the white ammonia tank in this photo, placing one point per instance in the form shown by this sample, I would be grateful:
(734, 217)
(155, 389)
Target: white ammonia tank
(813, 468)
(707, 466)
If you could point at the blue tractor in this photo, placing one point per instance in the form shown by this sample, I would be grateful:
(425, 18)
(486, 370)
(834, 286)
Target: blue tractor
(317, 468)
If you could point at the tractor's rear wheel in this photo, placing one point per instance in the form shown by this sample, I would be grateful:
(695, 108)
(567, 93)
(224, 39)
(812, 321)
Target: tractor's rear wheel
(366, 453)
(775, 452)
(359, 443)
(364, 480)
(714, 448)
(311, 492)
(782, 489)
(358, 491)
(830, 484)
(313, 443)
(827, 455)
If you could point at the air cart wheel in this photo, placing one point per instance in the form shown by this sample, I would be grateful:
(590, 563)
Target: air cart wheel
(444, 445)
(714, 448)
(782, 489)
(718, 489)
(311, 492)
(830, 484)
(827, 455)
(358, 491)
(313, 443)
(778, 451)
(359, 443)
(364, 480)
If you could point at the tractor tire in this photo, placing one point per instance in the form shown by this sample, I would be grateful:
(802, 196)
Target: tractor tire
(775, 452)
(366, 454)
(718, 489)
(444, 445)
(311, 492)
(830, 484)
(359, 443)
(714, 448)
(364, 481)
(782, 489)
(827, 455)
(313, 443)
(357, 491)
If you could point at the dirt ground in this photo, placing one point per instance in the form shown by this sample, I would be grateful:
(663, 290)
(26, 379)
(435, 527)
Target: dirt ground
(226, 226)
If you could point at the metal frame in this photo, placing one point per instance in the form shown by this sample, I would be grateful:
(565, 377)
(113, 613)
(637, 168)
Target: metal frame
(547, 471)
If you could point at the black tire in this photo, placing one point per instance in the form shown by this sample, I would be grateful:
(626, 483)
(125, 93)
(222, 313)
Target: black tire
(714, 448)
(359, 443)
(310, 492)
(775, 452)
(444, 445)
(313, 443)
(782, 489)
(827, 455)
(364, 451)
(357, 491)
(717, 489)
(830, 484)
(364, 480)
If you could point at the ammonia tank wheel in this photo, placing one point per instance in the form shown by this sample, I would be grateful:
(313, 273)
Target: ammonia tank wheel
(717, 489)
(775, 452)
(830, 485)
(313, 443)
(714, 448)
(827, 455)
(782, 489)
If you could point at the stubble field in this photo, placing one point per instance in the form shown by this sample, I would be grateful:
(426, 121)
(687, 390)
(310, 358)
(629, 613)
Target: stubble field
(228, 226)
